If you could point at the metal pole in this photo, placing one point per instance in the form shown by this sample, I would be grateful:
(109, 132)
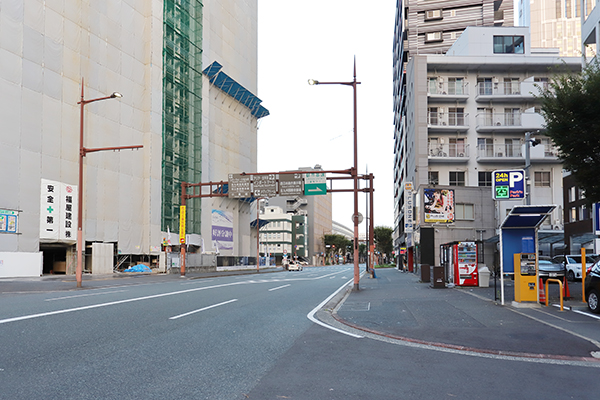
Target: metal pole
(257, 236)
(367, 241)
(79, 268)
(371, 222)
(355, 176)
(527, 167)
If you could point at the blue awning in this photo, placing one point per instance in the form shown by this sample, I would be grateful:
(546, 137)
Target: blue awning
(232, 88)
(527, 216)
(261, 223)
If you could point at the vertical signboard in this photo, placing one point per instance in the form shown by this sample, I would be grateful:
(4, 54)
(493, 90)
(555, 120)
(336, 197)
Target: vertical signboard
(222, 230)
(58, 211)
(408, 208)
(182, 224)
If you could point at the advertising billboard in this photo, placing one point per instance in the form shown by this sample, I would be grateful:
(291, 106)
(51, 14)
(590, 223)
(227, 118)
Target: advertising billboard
(438, 205)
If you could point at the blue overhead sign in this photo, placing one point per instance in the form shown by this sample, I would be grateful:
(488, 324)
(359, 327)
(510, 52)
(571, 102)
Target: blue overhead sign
(508, 185)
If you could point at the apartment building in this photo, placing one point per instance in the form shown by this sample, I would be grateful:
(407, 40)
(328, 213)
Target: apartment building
(427, 27)
(466, 115)
(283, 234)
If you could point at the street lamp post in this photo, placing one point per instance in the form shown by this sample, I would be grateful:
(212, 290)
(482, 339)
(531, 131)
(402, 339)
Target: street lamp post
(354, 170)
(82, 153)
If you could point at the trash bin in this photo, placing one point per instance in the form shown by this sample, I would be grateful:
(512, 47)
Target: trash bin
(484, 276)
(438, 280)
(425, 273)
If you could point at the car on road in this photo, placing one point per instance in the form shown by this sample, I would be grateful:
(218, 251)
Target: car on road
(592, 288)
(294, 266)
(572, 263)
(548, 269)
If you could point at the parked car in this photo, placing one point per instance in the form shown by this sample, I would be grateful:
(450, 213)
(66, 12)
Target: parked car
(572, 264)
(592, 288)
(548, 269)
(294, 266)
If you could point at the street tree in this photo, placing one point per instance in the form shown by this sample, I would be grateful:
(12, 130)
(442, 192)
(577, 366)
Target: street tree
(383, 240)
(570, 108)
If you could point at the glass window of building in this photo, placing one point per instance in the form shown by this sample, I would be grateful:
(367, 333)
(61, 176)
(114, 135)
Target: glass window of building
(457, 178)
(509, 44)
(542, 178)
(485, 178)
(433, 177)
(456, 85)
(464, 211)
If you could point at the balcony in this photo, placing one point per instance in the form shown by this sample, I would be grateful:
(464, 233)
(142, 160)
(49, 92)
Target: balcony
(441, 122)
(449, 92)
(513, 122)
(515, 153)
(448, 153)
(508, 91)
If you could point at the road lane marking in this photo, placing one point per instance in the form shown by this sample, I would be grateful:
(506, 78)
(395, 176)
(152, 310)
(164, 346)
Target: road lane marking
(203, 309)
(155, 296)
(279, 287)
(84, 295)
(585, 313)
(193, 281)
(311, 315)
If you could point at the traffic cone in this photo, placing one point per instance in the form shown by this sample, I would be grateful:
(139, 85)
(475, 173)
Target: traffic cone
(541, 291)
(566, 292)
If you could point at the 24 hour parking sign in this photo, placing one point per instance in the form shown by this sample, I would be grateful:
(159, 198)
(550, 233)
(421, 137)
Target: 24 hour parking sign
(508, 185)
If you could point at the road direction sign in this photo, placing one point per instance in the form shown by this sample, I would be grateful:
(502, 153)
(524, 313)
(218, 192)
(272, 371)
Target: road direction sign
(508, 185)
(290, 185)
(264, 185)
(315, 183)
(239, 186)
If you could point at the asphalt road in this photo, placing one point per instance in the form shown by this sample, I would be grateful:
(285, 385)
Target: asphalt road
(241, 337)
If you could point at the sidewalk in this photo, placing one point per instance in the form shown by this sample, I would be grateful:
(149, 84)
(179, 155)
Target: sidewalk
(398, 305)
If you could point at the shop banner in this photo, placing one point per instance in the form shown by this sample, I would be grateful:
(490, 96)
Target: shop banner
(438, 205)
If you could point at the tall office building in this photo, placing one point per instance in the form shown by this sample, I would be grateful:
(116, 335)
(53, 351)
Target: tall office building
(428, 27)
(192, 127)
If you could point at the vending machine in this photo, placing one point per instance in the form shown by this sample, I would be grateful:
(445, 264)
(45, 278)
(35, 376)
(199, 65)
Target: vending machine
(465, 264)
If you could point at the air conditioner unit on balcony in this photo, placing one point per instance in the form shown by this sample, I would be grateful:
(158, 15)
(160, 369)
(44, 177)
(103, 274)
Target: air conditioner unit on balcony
(495, 80)
(461, 154)
(441, 79)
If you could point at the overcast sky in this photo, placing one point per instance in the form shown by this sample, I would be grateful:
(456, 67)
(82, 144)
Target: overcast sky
(312, 125)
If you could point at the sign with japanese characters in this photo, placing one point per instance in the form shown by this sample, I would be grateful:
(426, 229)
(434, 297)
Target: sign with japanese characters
(58, 211)
(222, 230)
(290, 185)
(239, 186)
(9, 221)
(264, 185)
(315, 184)
(508, 185)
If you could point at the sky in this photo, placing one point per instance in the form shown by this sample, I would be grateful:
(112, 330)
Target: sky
(311, 125)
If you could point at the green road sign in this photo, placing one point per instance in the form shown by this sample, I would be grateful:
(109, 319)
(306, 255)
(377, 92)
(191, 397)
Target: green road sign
(315, 184)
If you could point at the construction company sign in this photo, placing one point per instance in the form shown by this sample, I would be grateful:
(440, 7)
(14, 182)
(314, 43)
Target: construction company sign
(58, 211)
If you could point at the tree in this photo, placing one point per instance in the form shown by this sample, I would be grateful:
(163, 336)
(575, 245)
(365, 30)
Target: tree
(383, 240)
(570, 108)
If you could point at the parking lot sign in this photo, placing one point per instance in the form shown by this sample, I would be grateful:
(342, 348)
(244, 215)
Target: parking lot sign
(508, 185)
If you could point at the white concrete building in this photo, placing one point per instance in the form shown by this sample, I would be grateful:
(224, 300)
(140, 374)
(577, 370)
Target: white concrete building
(466, 115)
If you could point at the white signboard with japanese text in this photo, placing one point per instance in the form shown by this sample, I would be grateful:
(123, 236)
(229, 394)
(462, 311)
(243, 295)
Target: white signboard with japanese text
(58, 211)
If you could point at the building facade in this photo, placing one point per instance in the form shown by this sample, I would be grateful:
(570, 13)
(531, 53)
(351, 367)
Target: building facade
(425, 27)
(153, 53)
(466, 115)
(283, 234)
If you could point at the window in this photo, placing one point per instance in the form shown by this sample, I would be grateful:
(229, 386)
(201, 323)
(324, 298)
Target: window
(433, 116)
(573, 214)
(433, 37)
(512, 116)
(457, 178)
(464, 211)
(512, 86)
(485, 86)
(485, 178)
(485, 147)
(512, 147)
(485, 116)
(509, 44)
(583, 212)
(433, 85)
(433, 177)
(456, 85)
(456, 116)
(542, 178)
(456, 147)
(433, 14)
(543, 83)
(581, 193)
(572, 197)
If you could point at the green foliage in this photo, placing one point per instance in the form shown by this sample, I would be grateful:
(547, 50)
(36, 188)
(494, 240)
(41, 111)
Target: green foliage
(383, 239)
(571, 108)
(339, 241)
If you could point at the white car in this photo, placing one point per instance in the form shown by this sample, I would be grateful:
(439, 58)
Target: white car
(572, 264)
(294, 267)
